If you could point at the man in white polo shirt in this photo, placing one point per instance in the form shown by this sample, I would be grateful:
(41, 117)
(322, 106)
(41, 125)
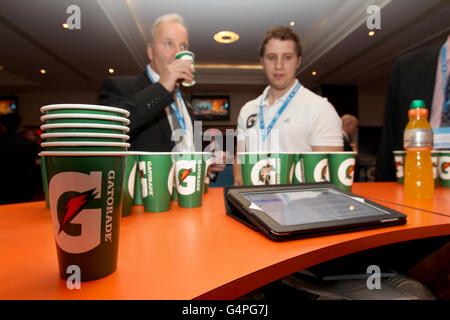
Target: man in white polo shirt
(287, 117)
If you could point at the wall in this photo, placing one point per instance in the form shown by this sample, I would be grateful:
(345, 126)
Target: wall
(29, 103)
(371, 103)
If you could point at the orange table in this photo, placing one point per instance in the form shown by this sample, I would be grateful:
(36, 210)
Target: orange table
(194, 253)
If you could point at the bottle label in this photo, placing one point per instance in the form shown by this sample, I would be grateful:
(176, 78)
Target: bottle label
(418, 138)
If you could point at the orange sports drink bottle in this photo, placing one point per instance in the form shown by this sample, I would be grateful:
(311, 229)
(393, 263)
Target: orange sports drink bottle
(418, 143)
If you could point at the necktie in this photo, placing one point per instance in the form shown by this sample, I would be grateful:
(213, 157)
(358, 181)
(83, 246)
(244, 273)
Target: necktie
(445, 120)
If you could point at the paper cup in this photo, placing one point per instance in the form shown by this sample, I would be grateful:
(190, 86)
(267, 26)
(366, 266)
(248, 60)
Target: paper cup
(84, 146)
(129, 184)
(138, 201)
(189, 174)
(297, 176)
(84, 108)
(83, 136)
(261, 168)
(435, 159)
(84, 118)
(315, 166)
(44, 181)
(186, 55)
(444, 168)
(342, 169)
(157, 180)
(84, 128)
(85, 192)
(255, 168)
(399, 161)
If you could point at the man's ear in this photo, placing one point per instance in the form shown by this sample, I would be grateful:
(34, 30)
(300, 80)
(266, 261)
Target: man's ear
(299, 62)
(150, 51)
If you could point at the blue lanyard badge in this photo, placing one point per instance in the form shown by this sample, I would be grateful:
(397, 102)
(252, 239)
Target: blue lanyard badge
(264, 132)
(174, 108)
(444, 74)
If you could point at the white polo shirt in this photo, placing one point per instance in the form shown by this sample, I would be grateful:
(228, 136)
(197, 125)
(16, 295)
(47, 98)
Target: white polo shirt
(308, 120)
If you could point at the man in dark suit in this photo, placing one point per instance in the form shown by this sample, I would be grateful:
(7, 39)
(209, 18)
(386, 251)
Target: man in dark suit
(148, 96)
(349, 130)
(413, 77)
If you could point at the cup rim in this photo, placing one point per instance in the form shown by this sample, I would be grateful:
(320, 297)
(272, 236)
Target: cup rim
(82, 153)
(84, 144)
(341, 152)
(82, 106)
(398, 151)
(84, 116)
(84, 135)
(84, 125)
(185, 51)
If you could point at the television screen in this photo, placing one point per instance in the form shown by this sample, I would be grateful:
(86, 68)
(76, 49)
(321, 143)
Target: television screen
(8, 104)
(211, 107)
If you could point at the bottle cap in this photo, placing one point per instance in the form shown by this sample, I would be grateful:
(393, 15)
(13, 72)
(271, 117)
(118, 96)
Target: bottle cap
(417, 104)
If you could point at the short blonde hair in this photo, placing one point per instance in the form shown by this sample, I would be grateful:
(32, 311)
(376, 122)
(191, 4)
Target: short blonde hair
(171, 17)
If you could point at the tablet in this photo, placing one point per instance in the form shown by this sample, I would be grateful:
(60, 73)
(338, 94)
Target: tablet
(286, 212)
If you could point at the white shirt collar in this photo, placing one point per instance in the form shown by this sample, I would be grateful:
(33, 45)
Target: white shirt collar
(279, 100)
(153, 73)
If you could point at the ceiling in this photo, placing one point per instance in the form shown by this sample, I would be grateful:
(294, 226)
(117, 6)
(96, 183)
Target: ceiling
(113, 33)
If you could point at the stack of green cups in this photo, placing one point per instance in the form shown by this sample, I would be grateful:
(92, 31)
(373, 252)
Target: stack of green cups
(84, 150)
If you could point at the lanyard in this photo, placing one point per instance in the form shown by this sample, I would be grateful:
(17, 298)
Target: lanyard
(175, 110)
(444, 74)
(265, 133)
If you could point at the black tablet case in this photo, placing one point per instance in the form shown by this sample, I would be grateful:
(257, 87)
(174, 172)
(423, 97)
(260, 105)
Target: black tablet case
(239, 214)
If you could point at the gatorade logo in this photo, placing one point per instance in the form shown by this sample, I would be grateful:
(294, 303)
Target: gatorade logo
(262, 172)
(186, 173)
(142, 172)
(321, 172)
(435, 167)
(346, 172)
(170, 180)
(298, 172)
(131, 180)
(77, 228)
(444, 167)
(399, 168)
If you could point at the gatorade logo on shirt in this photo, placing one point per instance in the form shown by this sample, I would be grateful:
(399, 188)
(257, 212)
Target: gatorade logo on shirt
(76, 216)
(251, 120)
(346, 172)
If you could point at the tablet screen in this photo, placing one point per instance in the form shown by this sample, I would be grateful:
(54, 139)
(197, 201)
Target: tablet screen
(296, 207)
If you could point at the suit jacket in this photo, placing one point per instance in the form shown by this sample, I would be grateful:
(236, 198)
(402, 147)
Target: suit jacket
(347, 146)
(149, 127)
(412, 78)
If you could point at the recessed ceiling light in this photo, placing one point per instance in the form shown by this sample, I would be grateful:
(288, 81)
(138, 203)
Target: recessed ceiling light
(111, 70)
(1, 68)
(43, 71)
(65, 25)
(314, 73)
(292, 23)
(371, 33)
(226, 37)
